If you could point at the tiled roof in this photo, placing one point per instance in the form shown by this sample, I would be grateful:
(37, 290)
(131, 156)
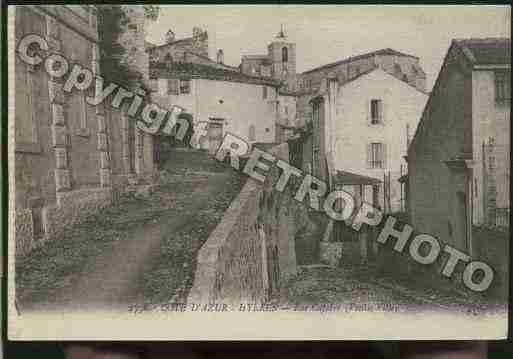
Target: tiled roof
(149, 45)
(385, 71)
(387, 51)
(191, 70)
(319, 94)
(206, 58)
(488, 51)
(255, 57)
(176, 42)
(349, 178)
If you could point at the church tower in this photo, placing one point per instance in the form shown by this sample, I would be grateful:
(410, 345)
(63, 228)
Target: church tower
(282, 55)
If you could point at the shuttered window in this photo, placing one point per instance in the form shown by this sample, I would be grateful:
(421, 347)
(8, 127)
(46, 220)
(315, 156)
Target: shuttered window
(185, 86)
(502, 86)
(172, 87)
(376, 111)
(376, 155)
(251, 135)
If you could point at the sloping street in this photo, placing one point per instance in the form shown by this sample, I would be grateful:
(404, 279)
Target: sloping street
(140, 251)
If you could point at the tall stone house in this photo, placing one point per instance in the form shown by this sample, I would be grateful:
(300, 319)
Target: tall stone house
(459, 164)
(403, 66)
(69, 157)
(218, 95)
(360, 128)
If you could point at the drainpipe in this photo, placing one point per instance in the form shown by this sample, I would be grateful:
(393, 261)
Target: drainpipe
(331, 114)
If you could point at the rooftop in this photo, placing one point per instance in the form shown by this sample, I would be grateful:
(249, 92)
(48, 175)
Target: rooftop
(176, 42)
(387, 51)
(487, 51)
(192, 70)
(350, 178)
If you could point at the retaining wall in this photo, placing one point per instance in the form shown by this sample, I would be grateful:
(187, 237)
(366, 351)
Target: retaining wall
(252, 250)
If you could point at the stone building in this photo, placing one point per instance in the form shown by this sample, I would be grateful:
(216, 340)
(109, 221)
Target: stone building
(459, 157)
(400, 65)
(69, 155)
(361, 127)
(192, 49)
(279, 63)
(226, 101)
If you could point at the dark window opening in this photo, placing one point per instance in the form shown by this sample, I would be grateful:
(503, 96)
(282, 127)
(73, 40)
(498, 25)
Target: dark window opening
(376, 155)
(284, 54)
(376, 111)
(185, 86)
(502, 87)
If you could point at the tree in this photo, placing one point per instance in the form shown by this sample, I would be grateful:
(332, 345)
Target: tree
(111, 20)
(151, 12)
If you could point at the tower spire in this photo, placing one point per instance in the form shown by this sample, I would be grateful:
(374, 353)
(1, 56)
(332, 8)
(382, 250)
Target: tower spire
(281, 34)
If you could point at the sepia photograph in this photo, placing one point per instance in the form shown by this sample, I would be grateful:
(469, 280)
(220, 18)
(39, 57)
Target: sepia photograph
(258, 172)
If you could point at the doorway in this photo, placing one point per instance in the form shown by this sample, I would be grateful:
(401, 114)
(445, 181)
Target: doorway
(215, 135)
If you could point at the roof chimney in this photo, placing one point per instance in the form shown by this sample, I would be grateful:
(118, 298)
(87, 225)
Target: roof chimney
(220, 56)
(170, 36)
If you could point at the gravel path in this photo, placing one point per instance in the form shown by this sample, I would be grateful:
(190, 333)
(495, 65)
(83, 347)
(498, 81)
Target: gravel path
(140, 251)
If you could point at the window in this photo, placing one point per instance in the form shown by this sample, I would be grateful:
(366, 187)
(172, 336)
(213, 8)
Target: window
(502, 87)
(286, 110)
(185, 86)
(264, 92)
(376, 111)
(172, 87)
(376, 155)
(252, 136)
(177, 87)
(24, 120)
(284, 54)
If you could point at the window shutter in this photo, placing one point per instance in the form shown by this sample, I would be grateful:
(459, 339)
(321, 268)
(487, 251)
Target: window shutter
(369, 113)
(172, 86)
(369, 155)
(384, 154)
(381, 113)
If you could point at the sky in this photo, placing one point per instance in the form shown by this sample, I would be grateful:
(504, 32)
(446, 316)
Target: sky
(325, 34)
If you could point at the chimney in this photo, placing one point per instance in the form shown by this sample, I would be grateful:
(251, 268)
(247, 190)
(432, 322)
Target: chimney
(220, 56)
(170, 36)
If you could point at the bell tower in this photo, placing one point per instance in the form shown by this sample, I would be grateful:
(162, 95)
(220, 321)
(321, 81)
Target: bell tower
(282, 54)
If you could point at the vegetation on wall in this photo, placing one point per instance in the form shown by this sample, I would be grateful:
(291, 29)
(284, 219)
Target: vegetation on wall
(111, 22)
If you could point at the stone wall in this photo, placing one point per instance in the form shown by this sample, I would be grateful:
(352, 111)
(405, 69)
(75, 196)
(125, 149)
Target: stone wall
(63, 146)
(252, 249)
(24, 230)
(72, 207)
(444, 133)
(403, 67)
(491, 245)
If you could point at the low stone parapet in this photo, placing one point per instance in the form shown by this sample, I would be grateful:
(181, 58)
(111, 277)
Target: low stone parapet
(252, 249)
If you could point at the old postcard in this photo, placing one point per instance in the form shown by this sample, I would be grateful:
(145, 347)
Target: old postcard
(258, 172)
